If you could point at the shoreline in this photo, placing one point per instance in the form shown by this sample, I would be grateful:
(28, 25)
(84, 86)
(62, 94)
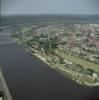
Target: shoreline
(63, 71)
(60, 69)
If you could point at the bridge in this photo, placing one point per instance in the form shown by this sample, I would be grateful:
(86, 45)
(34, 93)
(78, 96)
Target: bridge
(4, 91)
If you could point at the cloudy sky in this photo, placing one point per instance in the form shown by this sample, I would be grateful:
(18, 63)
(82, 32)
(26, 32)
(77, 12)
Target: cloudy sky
(49, 7)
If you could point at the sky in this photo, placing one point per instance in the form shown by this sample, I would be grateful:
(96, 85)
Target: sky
(9, 7)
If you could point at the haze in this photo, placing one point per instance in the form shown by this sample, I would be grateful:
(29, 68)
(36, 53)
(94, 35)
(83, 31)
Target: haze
(9, 7)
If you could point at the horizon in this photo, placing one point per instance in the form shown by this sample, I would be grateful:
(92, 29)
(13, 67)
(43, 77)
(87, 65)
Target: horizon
(46, 7)
(44, 14)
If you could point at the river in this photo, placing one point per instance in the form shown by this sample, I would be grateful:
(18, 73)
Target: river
(28, 78)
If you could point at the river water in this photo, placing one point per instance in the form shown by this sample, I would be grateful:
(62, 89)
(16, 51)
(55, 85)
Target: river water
(28, 78)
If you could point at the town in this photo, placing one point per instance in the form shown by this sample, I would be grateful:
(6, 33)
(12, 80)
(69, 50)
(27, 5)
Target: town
(71, 49)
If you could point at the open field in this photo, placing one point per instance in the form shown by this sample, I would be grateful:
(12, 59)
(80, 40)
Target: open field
(82, 62)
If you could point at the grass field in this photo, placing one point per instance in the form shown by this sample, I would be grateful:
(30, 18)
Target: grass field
(76, 60)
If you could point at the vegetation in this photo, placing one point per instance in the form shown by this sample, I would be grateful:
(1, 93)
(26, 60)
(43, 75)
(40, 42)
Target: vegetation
(50, 50)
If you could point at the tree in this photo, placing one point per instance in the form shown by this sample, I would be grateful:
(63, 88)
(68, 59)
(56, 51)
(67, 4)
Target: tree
(90, 71)
(80, 68)
(61, 60)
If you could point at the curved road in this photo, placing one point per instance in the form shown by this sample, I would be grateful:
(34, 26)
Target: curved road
(28, 78)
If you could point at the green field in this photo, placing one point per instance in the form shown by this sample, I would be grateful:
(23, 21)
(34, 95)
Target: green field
(76, 60)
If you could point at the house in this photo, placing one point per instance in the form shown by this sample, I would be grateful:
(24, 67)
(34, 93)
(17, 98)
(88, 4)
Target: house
(94, 75)
(67, 63)
(97, 42)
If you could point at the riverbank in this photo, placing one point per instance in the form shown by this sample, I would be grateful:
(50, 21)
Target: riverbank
(74, 75)
(70, 74)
